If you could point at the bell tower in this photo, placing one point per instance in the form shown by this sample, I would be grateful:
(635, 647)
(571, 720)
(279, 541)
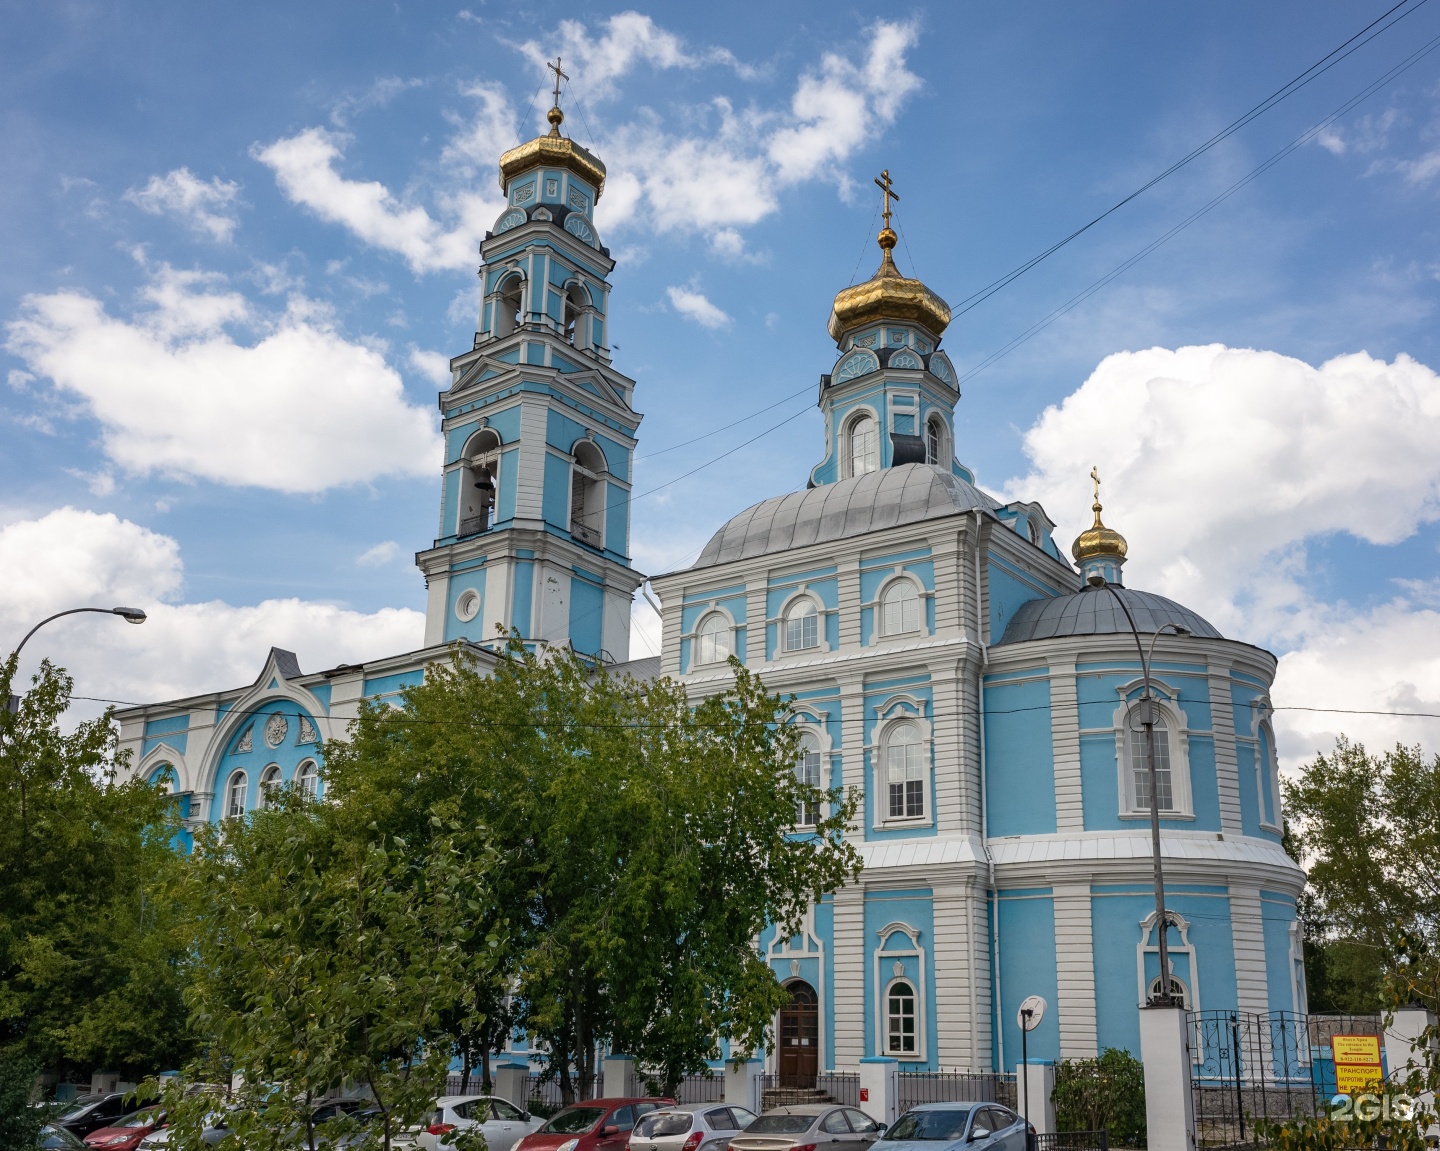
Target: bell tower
(539, 429)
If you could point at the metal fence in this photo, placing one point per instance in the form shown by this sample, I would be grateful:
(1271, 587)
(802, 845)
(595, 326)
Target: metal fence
(701, 1088)
(547, 1094)
(1071, 1141)
(782, 1090)
(1274, 1066)
(918, 1087)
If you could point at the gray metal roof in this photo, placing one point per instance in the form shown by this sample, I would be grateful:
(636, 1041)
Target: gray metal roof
(645, 669)
(881, 499)
(1093, 611)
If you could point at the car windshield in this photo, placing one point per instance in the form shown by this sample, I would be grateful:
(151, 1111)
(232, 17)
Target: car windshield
(945, 1125)
(664, 1123)
(81, 1107)
(147, 1118)
(58, 1139)
(572, 1121)
(780, 1125)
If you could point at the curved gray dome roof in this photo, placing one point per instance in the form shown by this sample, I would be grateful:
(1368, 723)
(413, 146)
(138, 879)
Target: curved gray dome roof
(881, 499)
(1093, 611)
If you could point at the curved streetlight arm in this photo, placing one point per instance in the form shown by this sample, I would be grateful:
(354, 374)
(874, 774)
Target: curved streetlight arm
(129, 614)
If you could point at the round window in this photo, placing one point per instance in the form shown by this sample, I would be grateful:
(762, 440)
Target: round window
(467, 607)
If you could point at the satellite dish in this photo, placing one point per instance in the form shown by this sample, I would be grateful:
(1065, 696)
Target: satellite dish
(1035, 1006)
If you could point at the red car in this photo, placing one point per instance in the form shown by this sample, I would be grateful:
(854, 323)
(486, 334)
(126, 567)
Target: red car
(595, 1125)
(125, 1134)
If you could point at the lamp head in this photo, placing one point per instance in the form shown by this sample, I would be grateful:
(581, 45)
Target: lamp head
(1095, 579)
(1178, 630)
(129, 614)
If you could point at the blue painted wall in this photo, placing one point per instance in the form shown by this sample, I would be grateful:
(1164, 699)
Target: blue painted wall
(1027, 967)
(1020, 759)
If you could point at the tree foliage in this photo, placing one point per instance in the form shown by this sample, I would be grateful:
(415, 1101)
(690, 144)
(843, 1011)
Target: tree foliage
(642, 844)
(90, 971)
(1104, 1094)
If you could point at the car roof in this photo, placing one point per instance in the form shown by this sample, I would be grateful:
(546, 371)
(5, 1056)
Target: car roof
(804, 1109)
(693, 1107)
(957, 1104)
(451, 1100)
(620, 1101)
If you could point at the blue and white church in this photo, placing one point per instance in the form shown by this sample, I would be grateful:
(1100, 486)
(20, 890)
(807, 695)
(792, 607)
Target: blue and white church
(947, 660)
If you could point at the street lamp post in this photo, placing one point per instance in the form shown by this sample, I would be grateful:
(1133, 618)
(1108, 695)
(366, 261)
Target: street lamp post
(1147, 722)
(128, 614)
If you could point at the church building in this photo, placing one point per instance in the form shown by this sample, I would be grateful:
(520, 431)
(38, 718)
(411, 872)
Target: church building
(947, 660)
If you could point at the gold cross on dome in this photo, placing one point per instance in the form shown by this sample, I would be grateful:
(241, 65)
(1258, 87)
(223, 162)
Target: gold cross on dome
(1095, 476)
(882, 181)
(559, 75)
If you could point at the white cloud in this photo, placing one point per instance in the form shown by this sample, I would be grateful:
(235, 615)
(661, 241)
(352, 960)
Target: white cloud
(1221, 464)
(299, 410)
(379, 555)
(206, 206)
(380, 93)
(694, 306)
(71, 558)
(434, 366)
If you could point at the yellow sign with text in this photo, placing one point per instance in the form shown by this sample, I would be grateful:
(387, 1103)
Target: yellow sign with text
(1356, 1049)
(1357, 1078)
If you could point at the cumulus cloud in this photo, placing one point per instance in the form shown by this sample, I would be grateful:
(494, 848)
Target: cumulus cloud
(206, 206)
(379, 555)
(381, 92)
(691, 304)
(1221, 464)
(434, 366)
(72, 557)
(300, 409)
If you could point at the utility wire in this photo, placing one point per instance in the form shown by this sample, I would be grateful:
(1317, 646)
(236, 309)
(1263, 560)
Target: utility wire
(726, 427)
(1319, 68)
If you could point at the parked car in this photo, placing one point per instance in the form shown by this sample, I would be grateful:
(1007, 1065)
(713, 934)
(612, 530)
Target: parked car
(125, 1134)
(690, 1127)
(971, 1126)
(809, 1127)
(91, 1112)
(500, 1121)
(54, 1138)
(595, 1125)
(216, 1128)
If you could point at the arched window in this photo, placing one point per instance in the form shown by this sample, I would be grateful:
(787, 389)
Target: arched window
(1032, 529)
(1172, 768)
(507, 307)
(307, 779)
(802, 626)
(576, 323)
(807, 772)
(900, 1019)
(864, 447)
(163, 778)
(899, 608)
(1178, 991)
(235, 795)
(1140, 769)
(905, 772)
(479, 481)
(587, 493)
(270, 782)
(712, 639)
(935, 440)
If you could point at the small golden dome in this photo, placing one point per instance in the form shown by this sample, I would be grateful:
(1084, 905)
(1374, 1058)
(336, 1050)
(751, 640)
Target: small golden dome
(888, 295)
(1097, 539)
(552, 150)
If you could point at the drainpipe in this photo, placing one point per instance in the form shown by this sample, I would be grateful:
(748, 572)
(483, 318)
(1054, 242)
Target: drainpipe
(998, 1017)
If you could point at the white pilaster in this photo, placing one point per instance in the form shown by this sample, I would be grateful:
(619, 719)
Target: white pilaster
(1227, 770)
(1248, 931)
(849, 1038)
(1075, 972)
(1065, 747)
(437, 594)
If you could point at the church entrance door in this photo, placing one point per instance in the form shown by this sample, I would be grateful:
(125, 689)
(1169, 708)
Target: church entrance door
(800, 1037)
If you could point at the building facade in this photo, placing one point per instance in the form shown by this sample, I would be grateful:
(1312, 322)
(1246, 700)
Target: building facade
(946, 659)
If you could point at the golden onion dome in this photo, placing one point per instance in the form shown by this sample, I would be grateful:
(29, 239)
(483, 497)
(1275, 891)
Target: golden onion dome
(555, 151)
(1098, 540)
(887, 295)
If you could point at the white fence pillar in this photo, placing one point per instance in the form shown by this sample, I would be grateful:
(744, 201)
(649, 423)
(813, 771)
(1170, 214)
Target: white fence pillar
(512, 1082)
(880, 1088)
(1404, 1049)
(1169, 1103)
(616, 1077)
(743, 1084)
(1034, 1091)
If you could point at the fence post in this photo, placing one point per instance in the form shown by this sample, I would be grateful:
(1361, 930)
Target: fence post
(1169, 1101)
(1039, 1080)
(742, 1084)
(880, 1088)
(616, 1076)
(512, 1082)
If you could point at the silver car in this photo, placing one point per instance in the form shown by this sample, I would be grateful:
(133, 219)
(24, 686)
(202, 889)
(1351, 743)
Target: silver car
(690, 1127)
(500, 1121)
(810, 1127)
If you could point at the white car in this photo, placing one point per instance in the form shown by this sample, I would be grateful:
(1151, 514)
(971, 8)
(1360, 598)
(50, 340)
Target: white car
(690, 1127)
(500, 1121)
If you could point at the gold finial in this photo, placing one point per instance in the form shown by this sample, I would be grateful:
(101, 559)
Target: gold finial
(555, 116)
(882, 182)
(887, 238)
(1095, 478)
(1098, 540)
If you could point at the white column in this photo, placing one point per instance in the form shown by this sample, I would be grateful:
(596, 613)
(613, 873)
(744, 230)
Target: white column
(1075, 972)
(1169, 1103)
(1248, 931)
(880, 1088)
(512, 1082)
(437, 589)
(615, 1075)
(1405, 1049)
(1036, 1086)
(1065, 747)
(849, 601)
(742, 1084)
(1227, 770)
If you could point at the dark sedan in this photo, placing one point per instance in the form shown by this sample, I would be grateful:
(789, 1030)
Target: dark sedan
(91, 1112)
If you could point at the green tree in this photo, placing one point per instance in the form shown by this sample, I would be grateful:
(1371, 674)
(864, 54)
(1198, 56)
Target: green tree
(1104, 1094)
(642, 843)
(90, 966)
(325, 953)
(20, 1121)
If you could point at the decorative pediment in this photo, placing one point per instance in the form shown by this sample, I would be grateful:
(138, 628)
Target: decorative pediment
(580, 228)
(941, 368)
(511, 219)
(860, 362)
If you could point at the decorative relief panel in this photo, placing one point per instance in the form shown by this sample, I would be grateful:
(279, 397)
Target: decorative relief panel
(940, 367)
(275, 728)
(307, 731)
(906, 359)
(246, 742)
(897, 335)
(578, 200)
(524, 194)
(552, 189)
(541, 214)
(866, 341)
(577, 227)
(857, 363)
(511, 219)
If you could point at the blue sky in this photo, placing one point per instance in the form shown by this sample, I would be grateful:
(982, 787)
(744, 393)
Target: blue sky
(239, 243)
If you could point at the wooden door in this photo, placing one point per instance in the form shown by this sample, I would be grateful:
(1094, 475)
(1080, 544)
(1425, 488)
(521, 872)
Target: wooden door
(800, 1037)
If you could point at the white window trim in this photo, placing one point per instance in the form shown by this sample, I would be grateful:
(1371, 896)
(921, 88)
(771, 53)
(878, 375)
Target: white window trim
(892, 715)
(883, 983)
(243, 777)
(276, 781)
(711, 612)
(947, 451)
(847, 428)
(298, 777)
(877, 606)
(1266, 767)
(817, 723)
(1174, 718)
(1185, 947)
(812, 946)
(822, 646)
